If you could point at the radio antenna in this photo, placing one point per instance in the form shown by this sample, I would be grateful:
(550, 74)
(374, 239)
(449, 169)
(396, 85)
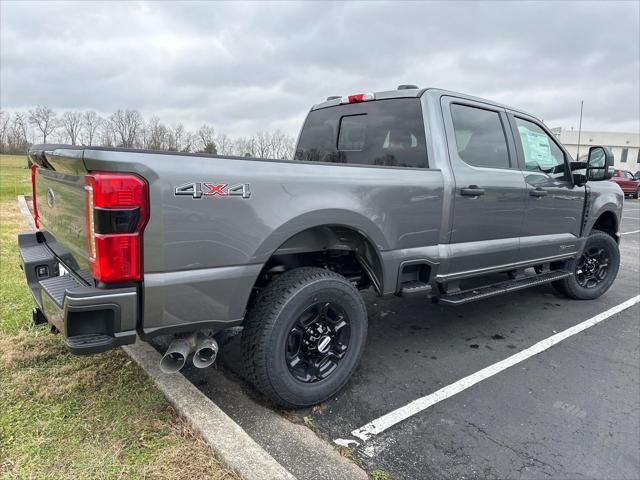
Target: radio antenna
(579, 131)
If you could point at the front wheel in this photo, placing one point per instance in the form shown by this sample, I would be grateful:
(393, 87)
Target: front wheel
(594, 270)
(637, 194)
(303, 336)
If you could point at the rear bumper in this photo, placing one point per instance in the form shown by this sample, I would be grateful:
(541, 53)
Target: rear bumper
(91, 319)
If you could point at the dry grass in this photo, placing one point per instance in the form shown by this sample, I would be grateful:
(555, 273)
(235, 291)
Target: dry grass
(68, 417)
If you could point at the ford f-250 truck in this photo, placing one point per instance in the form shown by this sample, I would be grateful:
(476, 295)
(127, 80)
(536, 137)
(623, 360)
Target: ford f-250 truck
(406, 192)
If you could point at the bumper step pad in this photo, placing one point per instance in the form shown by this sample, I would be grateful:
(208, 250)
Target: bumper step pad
(90, 343)
(56, 287)
(466, 296)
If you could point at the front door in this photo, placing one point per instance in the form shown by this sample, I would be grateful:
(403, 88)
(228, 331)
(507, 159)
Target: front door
(554, 205)
(489, 198)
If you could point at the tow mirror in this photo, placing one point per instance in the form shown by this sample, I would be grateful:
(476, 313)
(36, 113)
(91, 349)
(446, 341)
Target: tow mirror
(599, 164)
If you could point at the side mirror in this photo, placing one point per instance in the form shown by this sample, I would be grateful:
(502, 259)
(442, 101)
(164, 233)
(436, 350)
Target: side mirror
(600, 164)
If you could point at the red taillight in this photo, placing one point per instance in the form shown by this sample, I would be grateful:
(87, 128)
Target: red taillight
(34, 172)
(117, 211)
(358, 97)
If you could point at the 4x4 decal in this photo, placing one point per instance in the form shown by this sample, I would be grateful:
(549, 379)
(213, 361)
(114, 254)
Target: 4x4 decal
(210, 189)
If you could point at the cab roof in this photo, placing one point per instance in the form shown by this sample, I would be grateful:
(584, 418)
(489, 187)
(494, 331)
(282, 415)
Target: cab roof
(418, 92)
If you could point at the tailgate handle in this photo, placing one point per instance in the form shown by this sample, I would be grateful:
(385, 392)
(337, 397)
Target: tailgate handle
(472, 191)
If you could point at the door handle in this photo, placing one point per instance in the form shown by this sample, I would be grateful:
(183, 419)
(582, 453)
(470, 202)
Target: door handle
(538, 192)
(472, 191)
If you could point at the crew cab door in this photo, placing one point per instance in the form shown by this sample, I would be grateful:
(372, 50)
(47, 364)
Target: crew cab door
(554, 205)
(489, 196)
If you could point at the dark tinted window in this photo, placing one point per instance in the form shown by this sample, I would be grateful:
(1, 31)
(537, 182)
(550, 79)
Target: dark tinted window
(352, 132)
(383, 132)
(625, 152)
(479, 136)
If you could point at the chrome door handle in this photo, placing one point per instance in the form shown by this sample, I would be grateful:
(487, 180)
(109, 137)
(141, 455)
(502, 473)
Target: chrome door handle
(538, 192)
(472, 191)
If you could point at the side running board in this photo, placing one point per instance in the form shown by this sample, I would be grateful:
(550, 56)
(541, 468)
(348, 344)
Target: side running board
(466, 296)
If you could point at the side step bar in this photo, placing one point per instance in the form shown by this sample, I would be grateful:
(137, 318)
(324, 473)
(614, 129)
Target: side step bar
(410, 289)
(466, 296)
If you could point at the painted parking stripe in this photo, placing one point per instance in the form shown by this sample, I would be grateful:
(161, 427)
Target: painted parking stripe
(629, 233)
(387, 421)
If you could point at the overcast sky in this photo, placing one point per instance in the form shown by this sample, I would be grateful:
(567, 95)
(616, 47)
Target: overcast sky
(245, 67)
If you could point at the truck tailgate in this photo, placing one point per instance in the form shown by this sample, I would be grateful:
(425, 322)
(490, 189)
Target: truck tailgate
(61, 204)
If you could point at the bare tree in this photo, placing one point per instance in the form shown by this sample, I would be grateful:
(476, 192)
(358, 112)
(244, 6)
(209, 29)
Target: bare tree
(155, 135)
(107, 134)
(244, 147)
(43, 118)
(188, 139)
(72, 123)
(223, 144)
(127, 125)
(281, 145)
(262, 142)
(206, 136)
(91, 123)
(20, 130)
(176, 137)
(5, 118)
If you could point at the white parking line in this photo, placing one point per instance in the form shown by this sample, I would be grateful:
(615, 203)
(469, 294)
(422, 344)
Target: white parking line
(387, 421)
(628, 233)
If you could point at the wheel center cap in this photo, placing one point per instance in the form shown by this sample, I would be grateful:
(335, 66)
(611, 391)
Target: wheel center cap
(323, 344)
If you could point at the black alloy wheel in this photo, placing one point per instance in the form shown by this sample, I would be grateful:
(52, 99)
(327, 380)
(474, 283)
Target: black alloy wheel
(318, 341)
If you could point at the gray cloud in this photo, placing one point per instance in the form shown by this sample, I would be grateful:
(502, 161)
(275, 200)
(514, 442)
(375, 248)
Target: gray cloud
(246, 67)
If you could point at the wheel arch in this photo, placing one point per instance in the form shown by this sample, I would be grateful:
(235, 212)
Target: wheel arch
(328, 231)
(606, 221)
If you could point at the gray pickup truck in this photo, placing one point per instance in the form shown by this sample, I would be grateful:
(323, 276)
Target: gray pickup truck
(410, 192)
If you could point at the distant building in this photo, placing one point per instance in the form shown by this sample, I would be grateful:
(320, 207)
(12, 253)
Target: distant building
(625, 146)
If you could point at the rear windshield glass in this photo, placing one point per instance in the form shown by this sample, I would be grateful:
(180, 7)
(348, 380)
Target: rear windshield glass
(384, 132)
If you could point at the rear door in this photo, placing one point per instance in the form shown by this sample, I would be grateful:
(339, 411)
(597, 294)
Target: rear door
(489, 198)
(554, 205)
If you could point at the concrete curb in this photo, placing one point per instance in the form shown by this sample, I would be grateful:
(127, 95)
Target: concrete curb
(227, 439)
(234, 446)
(24, 209)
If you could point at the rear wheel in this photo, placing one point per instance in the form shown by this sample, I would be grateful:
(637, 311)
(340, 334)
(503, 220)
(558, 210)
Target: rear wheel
(594, 270)
(303, 336)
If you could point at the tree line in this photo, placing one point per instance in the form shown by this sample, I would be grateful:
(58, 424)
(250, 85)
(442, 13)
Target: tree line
(129, 129)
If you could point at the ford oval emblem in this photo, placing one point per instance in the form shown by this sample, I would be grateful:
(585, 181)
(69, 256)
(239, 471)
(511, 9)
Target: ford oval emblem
(50, 197)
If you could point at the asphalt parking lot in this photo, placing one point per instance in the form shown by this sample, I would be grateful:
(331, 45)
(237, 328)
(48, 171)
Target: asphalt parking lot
(570, 411)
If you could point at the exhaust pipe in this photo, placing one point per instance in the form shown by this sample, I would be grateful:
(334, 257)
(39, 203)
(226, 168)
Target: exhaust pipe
(176, 355)
(206, 352)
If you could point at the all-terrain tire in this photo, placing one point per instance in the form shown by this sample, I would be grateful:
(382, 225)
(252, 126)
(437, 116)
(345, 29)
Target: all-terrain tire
(270, 320)
(571, 287)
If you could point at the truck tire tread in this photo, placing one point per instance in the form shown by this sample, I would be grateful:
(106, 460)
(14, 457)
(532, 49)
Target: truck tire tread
(261, 321)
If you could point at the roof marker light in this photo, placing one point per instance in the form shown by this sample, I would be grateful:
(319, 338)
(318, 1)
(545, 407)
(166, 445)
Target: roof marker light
(358, 97)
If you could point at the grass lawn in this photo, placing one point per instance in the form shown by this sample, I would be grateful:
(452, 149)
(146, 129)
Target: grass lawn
(63, 416)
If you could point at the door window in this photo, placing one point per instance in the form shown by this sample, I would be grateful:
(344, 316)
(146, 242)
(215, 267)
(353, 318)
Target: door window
(480, 137)
(541, 153)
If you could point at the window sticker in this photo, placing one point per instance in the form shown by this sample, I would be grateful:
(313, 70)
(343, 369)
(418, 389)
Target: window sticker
(537, 149)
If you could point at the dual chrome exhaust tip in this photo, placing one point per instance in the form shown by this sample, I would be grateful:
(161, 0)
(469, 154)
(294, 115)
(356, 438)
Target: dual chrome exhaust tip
(203, 347)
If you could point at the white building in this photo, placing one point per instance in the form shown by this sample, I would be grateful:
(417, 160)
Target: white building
(625, 146)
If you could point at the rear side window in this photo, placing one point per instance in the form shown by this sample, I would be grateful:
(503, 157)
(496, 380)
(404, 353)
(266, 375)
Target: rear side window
(383, 132)
(480, 138)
